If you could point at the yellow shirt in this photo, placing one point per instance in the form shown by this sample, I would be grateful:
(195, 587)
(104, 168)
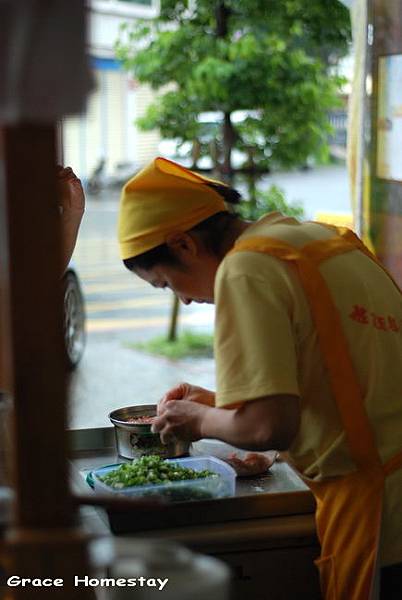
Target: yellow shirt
(266, 343)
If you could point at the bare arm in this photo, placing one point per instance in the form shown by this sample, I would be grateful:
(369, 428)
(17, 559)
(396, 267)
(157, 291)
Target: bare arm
(263, 424)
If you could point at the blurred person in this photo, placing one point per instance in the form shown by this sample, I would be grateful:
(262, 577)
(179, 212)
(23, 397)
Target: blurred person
(71, 200)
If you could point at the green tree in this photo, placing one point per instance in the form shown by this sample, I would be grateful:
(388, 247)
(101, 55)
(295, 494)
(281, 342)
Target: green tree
(260, 202)
(273, 59)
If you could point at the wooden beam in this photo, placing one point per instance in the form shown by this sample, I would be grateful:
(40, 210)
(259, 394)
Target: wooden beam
(5, 334)
(44, 540)
(38, 373)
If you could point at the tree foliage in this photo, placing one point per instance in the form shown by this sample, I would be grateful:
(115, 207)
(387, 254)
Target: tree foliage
(273, 59)
(266, 201)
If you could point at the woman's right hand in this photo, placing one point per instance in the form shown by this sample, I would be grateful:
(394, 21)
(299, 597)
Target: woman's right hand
(186, 391)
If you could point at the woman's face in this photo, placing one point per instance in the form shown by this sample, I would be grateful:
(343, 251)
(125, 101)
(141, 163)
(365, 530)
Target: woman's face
(193, 278)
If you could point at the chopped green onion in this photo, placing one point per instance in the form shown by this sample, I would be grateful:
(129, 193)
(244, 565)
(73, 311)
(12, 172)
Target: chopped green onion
(149, 470)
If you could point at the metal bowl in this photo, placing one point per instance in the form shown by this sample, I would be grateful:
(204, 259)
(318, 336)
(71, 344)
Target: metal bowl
(136, 439)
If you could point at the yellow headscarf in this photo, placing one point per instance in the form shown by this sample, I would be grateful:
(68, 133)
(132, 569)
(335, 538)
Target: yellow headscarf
(162, 198)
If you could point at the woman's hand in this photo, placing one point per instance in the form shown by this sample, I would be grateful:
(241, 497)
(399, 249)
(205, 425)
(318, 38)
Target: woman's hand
(186, 391)
(71, 195)
(180, 420)
(71, 199)
(268, 423)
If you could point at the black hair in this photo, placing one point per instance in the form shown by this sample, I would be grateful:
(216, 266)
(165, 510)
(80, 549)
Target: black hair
(211, 230)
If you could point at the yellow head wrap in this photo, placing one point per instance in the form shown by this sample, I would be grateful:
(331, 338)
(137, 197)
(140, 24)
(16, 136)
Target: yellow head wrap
(162, 198)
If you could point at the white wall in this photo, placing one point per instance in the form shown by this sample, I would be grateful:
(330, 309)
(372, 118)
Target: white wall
(105, 18)
(107, 128)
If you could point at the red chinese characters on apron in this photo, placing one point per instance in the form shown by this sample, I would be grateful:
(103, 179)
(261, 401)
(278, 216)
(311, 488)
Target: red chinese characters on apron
(349, 508)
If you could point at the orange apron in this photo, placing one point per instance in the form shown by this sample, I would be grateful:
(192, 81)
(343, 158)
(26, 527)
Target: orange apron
(349, 508)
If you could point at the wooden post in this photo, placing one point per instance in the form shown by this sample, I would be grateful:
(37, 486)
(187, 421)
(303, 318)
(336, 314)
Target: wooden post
(5, 335)
(36, 324)
(385, 20)
(44, 541)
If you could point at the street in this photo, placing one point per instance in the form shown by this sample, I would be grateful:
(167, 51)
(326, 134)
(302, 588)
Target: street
(122, 309)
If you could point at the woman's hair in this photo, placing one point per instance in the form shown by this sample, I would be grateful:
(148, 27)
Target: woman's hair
(211, 231)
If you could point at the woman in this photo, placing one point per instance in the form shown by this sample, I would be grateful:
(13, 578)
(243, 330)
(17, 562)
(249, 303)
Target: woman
(308, 349)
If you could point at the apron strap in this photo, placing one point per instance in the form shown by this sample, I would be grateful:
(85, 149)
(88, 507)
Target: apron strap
(349, 236)
(393, 464)
(333, 343)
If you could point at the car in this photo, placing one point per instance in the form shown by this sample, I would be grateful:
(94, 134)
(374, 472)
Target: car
(74, 318)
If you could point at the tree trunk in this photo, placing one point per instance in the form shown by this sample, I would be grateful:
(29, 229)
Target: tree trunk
(195, 154)
(214, 154)
(228, 141)
(251, 180)
(222, 13)
(252, 189)
(174, 317)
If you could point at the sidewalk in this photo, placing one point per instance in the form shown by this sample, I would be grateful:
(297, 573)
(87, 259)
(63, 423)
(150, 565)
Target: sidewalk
(111, 376)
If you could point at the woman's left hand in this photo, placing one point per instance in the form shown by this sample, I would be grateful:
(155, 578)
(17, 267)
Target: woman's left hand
(71, 199)
(180, 420)
(71, 194)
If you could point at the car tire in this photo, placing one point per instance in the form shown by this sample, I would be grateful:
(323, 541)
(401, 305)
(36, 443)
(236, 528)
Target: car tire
(74, 319)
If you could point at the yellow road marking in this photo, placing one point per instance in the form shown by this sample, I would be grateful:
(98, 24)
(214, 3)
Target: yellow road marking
(94, 275)
(119, 324)
(100, 325)
(92, 307)
(92, 288)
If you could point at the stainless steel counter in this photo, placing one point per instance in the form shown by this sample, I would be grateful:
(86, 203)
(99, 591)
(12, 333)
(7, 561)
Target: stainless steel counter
(265, 532)
(278, 493)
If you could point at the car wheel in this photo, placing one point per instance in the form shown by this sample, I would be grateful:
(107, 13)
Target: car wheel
(74, 319)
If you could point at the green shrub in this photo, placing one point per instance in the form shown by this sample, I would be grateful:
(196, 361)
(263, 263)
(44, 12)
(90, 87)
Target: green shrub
(270, 200)
(188, 344)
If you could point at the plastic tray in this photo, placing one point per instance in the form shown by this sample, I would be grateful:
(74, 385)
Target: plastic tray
(179, 491)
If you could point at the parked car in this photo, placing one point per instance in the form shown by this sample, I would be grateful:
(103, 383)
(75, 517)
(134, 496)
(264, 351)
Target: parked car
(74, 318)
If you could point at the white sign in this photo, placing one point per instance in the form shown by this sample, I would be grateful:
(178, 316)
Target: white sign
(389, 119)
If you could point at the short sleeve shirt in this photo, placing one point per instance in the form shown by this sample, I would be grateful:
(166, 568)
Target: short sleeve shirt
(266, 344)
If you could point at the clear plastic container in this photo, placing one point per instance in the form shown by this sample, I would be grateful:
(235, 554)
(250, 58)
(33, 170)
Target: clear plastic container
(246, 463)
(179, 491)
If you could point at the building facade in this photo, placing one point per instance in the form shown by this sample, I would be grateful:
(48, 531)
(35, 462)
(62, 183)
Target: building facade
(106, 133)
